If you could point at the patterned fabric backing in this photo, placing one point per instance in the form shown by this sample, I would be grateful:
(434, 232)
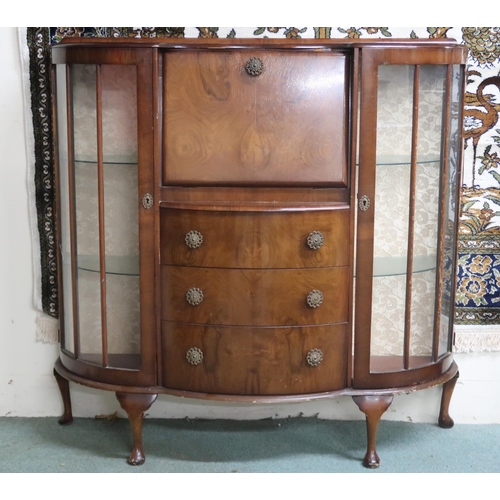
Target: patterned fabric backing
(478, 294)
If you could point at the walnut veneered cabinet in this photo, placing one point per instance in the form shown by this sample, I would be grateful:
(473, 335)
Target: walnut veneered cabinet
(258, 220)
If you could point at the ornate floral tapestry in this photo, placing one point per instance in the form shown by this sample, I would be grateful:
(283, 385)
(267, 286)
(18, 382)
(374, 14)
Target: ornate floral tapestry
(477, 321)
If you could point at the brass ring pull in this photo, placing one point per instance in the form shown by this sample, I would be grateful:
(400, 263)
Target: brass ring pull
(314, 298)
(254, 66)
(315, 240)
(314, 357)
(194, 296)
(194, 356)
(193, 239)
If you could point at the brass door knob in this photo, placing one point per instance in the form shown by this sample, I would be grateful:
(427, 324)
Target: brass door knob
(314, 357)
(193, 239)
(315, 240)
(194, 296)
(194, 356)
(314, 298)
(254, 66)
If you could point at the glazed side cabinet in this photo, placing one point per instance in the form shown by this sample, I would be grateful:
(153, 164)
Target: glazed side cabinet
(257, 220)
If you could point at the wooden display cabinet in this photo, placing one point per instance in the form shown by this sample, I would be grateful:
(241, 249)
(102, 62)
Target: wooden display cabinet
(258, 220)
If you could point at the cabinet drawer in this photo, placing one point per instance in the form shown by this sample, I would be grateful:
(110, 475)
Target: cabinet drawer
(254, 297)
(255, 240)
(229, 360)
(223, 126)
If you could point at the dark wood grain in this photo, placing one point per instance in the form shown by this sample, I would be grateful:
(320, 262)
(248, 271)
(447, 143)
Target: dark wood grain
(444, 420)
(135, 405)
(285, 126)
(254, 360)
(63, 384)
(255, 240)
(241, 196)
(373, 407)
(261, 43)
(254, 297)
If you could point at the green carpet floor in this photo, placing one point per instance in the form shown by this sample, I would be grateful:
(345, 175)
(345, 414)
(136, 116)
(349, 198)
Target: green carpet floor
(221, 446)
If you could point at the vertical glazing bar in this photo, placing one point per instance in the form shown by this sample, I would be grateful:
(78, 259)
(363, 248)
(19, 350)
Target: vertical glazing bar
(102, 246)
(442, 214)
(451, 340)
(411, 218)
(72, 211)
(57, 187)
(354, 104)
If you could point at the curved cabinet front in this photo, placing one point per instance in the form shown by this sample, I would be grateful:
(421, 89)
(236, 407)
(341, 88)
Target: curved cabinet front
(254, 361)
(105, 233)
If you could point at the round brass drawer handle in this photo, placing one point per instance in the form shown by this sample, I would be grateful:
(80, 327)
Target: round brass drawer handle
(314, 357)
(315, 240)
(193, 239)
(194, 296)
(194, 356)
(254, 66)
(314, 298)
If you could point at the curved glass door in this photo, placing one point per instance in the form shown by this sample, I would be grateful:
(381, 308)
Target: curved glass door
(98, 144)
(408, 179)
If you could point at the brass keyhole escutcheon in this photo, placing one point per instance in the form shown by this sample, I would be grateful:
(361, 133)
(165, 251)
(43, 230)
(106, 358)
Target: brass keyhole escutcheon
(364, 203)
(147, 201)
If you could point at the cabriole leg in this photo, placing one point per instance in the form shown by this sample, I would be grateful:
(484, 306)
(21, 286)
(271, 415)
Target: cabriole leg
(373, 407)
(445, 421)
(67, 416)
(135, 405)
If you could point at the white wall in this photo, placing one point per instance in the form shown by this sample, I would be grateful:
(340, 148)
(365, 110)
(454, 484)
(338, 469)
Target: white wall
(27, 387)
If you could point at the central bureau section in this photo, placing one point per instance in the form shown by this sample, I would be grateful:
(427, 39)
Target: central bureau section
(255, 259)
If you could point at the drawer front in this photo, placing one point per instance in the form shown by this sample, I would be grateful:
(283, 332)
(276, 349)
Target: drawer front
(255, 240)
(254, 297)
(223, 126)
(229, 360)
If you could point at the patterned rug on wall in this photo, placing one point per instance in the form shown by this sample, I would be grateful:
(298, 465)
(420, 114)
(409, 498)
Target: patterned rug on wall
(478, 296)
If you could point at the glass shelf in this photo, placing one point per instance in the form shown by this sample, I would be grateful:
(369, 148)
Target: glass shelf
(387, 160)
(127, 265)
(109, 160)
(406, 159)
(394, 266)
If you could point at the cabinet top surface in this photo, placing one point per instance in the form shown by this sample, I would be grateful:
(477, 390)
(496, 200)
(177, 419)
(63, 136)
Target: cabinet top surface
(242, 43)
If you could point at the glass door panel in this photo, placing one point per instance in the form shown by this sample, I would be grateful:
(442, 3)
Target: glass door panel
(86, 206)
(106, 240)
(430, 98)
(392, 190)
(449, 211)
(410, 109)
(121, 219)
(65, 180)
